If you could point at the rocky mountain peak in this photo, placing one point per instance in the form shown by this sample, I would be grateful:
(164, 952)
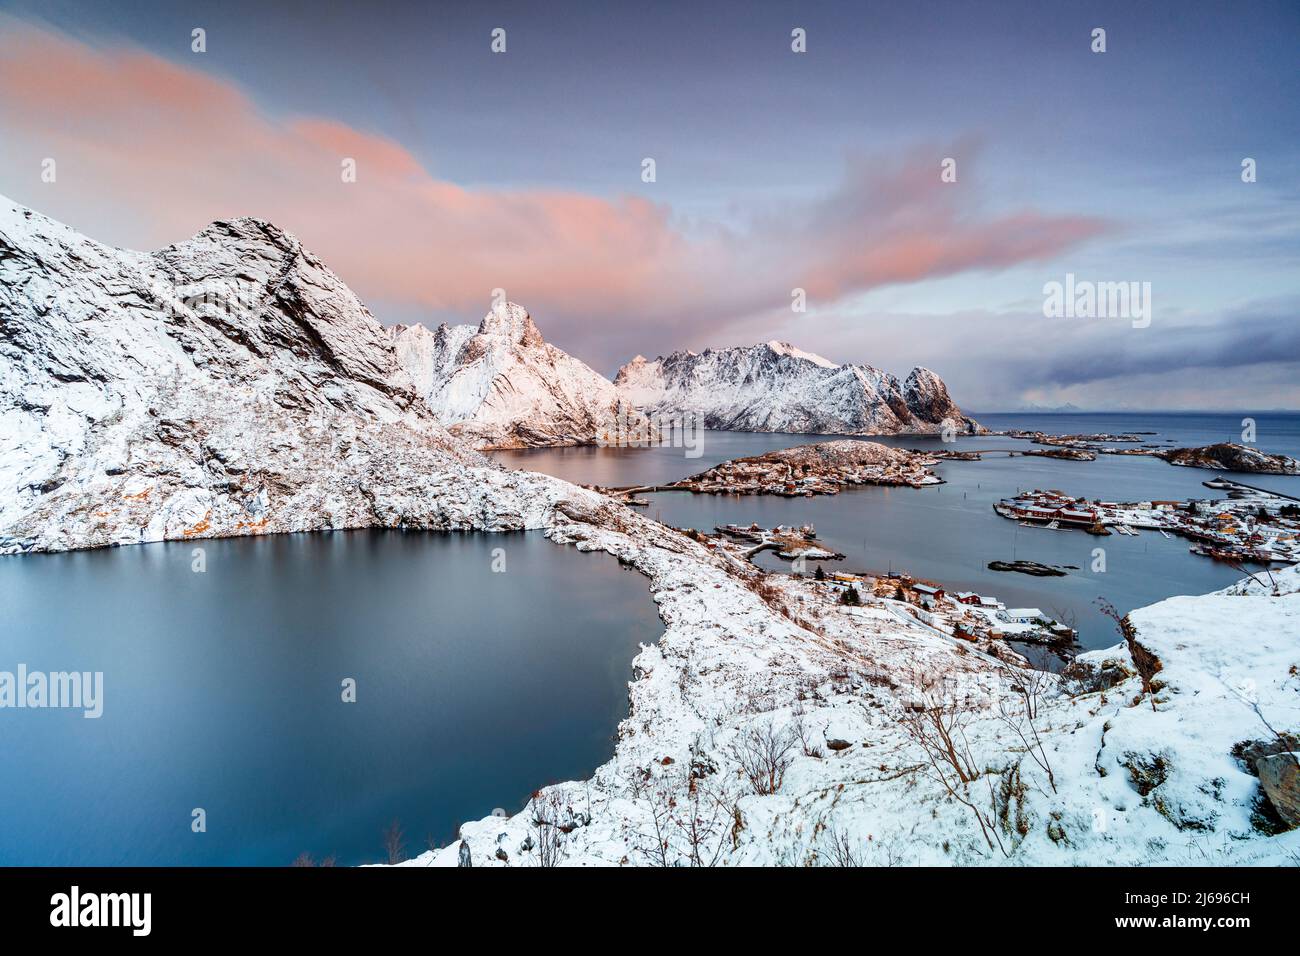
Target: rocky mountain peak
(786, 349)
(500, 384)
(514, 323)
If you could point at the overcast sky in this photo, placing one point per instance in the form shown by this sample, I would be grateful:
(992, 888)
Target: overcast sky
(775, 170)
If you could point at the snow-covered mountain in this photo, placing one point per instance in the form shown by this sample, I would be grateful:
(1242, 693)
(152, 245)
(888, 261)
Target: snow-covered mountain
(775, 387)
(229, 384)
(501, 385)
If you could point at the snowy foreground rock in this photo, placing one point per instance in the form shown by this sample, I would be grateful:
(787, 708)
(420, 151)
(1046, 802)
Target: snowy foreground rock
(501, 385)
(233, 385)
(775, 387)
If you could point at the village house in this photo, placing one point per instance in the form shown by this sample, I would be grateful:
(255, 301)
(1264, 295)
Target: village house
(925, 591)
(1019, 615)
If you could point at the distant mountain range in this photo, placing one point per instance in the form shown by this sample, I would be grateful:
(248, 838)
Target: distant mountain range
(1066, 409)
(502, 385)
(775, 387)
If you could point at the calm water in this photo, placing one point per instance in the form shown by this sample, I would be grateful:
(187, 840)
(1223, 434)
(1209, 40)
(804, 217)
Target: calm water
(222, 691)
(949, 532)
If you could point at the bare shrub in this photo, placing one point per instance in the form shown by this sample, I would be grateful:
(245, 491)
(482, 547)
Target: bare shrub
(807, 736)
(652, 838)
(702, 820)
(549, 827)
(1270, 586)
(394, 843)
(938, 727)
(1022, 717)
(772, 595)
(763, 752)
(840, 850)
(837, 848)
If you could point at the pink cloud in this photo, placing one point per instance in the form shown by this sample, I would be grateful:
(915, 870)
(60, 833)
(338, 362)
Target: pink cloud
(150, 151)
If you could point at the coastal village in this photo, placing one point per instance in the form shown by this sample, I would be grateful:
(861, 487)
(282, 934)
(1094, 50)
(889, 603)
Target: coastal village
(1250, 526)
(980, 619)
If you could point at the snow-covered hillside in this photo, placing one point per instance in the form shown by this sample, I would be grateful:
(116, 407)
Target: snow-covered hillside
(771, 725)
(775, 387)
(501, 385)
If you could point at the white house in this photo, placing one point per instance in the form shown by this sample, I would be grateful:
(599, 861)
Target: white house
(1020, 615)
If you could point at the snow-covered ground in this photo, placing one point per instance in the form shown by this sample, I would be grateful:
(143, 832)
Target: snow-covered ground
(769, 726)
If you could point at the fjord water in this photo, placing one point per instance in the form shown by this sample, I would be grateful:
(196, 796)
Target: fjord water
(949, 533)
(222, 691)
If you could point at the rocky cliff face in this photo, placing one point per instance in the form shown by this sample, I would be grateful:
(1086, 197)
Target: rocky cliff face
(775, 387)
(230, 384)
(503, 386)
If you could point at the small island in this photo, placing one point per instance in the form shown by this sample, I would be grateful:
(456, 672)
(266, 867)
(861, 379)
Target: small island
(1229, 456)
(822, 468)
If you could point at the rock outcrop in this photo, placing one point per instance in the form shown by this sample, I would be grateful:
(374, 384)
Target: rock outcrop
(1279, 778)
(1229, 456)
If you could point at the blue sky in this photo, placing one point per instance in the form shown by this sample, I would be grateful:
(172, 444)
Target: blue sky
(758, 150)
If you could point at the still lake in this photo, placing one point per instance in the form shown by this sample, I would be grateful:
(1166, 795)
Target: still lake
(949, 532)
(222, 691)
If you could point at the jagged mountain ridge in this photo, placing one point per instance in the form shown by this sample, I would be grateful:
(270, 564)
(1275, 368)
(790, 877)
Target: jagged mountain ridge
(775, 387)
(501, 385)
(229, 384)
